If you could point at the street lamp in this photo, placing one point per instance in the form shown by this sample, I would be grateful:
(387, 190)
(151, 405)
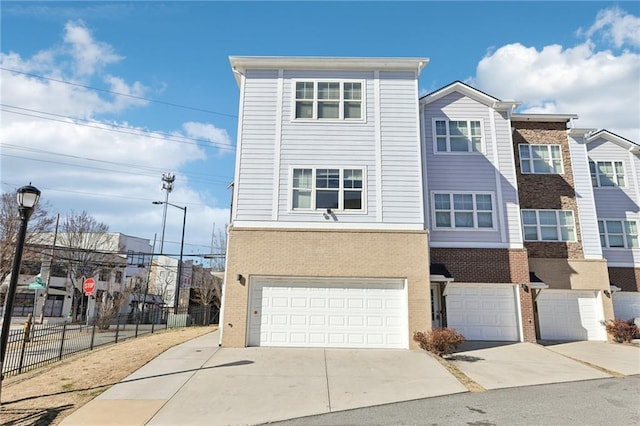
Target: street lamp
(27, 198)
(179, 279)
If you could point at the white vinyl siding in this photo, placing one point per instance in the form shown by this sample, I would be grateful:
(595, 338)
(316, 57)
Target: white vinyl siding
(329, 100)
(458, 136)
(607, 173)
(463, 210)
(540, 159)
(618, 233)
(548, 225)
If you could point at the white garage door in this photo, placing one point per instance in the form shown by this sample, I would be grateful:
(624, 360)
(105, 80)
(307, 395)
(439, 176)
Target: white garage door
(626, 304)
(570, 315)
(339, 313)
(483, 311)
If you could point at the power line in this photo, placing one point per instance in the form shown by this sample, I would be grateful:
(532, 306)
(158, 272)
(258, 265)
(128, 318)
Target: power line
(119, 93)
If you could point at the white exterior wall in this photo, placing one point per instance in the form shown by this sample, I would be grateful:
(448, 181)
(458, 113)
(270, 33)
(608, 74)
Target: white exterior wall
(585, 199)
(386, 145)
(491, 171)
(615, 202)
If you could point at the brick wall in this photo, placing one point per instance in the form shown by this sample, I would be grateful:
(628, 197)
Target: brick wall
(548, 191)
(628, 279)
(484, 265)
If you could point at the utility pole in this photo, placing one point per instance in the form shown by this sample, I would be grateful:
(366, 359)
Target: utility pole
(167, 185)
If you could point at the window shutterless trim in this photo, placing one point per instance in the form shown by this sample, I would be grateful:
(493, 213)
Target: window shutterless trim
(614, 178)
(531, 161)
(341, 190)
(558, 226)
(625, 235)
(452, 211)
(341, 100)
(447, 120)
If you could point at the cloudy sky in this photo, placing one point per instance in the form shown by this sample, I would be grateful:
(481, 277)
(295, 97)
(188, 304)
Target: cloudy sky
(99, 99)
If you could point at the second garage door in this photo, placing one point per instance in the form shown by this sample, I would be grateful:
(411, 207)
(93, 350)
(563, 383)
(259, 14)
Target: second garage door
(570, 315)
(344, 313)
(483, 311)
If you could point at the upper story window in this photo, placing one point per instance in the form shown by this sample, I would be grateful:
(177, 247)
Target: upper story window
(458, 135)
(548, 225)
(329, 100)
(618, 233)
(607, 173)
(463, 210)
(327, 188)
(543, 159)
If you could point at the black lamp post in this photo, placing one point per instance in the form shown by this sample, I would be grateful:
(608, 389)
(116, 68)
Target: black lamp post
(27, 198)
(179, 279)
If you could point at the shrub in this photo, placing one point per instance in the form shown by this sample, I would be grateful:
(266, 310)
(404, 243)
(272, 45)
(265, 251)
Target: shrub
(440, 341)
(621, 330)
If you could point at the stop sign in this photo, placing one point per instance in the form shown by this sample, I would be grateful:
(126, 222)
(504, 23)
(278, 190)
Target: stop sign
(89, 285)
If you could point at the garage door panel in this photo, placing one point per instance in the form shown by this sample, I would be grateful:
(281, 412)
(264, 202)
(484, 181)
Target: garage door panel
(322, 313)
(570, 315)
(482, 312)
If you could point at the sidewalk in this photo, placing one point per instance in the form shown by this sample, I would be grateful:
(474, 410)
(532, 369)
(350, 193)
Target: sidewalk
(199, 383)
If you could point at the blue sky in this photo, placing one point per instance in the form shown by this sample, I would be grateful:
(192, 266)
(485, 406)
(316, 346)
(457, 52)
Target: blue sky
(564, 57)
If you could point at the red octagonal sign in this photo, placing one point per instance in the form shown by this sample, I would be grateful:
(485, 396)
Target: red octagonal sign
(89, 285)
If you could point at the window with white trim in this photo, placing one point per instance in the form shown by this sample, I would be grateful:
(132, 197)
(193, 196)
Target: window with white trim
(327, 188)
(618, 233)
(542, 159)
(458, 135)
(607, 173)
(548, 225)
(329, 100)
(462, 210)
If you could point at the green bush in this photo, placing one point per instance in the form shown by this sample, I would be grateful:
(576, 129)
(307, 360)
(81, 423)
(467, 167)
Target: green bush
(621, 330)
(440, 341)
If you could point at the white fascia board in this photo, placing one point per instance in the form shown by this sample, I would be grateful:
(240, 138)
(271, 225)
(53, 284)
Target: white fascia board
(559, 118)
(466, 90)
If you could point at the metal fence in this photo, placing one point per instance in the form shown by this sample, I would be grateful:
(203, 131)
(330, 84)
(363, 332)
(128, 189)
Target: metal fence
(38, 345)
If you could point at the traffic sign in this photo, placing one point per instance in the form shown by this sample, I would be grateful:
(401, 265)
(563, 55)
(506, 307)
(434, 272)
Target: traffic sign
(89, 285)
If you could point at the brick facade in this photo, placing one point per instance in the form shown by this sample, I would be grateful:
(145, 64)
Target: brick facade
(325, 253)
(548, 191)
(628, 279)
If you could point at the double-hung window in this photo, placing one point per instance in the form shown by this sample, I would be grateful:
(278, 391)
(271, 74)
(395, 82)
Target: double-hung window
(458, 135)
(548, 225)
(327, 188)
(543, 159)
(462, 210)
(329, 100)
(618, 233)
(607, 173)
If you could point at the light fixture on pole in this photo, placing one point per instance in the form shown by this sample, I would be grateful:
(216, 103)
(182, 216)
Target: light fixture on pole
(179, 278)
(167, 185)
(27, 198)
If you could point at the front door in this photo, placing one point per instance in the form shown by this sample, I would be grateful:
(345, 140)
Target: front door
(436, 306)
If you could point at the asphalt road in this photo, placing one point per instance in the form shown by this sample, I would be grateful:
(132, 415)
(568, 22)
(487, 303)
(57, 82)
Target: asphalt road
(613, 401)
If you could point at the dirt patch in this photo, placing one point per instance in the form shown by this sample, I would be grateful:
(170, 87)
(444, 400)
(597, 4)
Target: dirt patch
(49, 394)
(467, 381)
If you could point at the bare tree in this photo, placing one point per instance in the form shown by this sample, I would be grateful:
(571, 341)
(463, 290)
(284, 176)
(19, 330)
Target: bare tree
(41, 221)
(162, 283)
(85, 243)
(219, 248)
(109, 302)
(206, 290)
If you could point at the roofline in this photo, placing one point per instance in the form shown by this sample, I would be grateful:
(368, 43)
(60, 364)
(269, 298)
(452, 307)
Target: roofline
(544, 117)
(604, 133)
(471, 92)
(240, 64)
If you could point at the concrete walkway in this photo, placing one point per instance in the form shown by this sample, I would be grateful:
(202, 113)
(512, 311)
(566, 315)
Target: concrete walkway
(199, 383)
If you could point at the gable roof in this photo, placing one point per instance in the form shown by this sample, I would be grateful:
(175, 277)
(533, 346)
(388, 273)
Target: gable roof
(617, 139)
(470, 92)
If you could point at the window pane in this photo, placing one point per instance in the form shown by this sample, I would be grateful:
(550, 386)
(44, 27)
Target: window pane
(632, 241)
(557, 166)
(441, 128)
(485, 220)
(304, 90)
(459, 145)
(475, 128)
(302, 178)
(530, 233)
(463, 201)
(353, 178)
(524, 151)
(549, 233)
(328, 90)
(326, 199)
(464, 220)
(631, 227)
(443, 220)
(476, 144)
(540, 151)
(328, 178)
(529, 217)
(614, 227)
(555, 152)
(301, 199)
(567, 233)
(353, 91)
(442, 201)
(541, 166)
(328, 110)
(547, 218)
(353, 110)
(526, 166)
(603, 240)
(304, 109)
(616, 241)
(442, 145)
(483, 202)
(566, 218)
(601, 226)
(352, 200)
(458, 128)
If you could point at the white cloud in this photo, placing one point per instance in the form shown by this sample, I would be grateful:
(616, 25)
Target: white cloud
(615, 25)
(601, 86)
(52, 136)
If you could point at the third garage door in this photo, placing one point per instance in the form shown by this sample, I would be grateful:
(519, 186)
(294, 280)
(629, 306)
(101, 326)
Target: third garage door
(570, 315)
(345, 313)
